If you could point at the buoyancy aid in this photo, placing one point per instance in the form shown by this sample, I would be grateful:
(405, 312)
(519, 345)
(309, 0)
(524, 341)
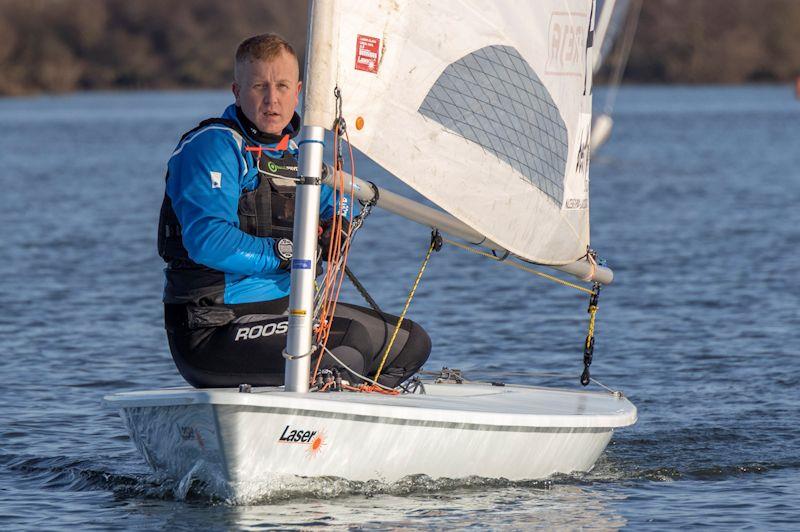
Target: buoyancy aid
(265, 211)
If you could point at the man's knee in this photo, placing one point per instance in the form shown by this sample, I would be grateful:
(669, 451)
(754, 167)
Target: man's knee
(418, 346)
(412, 356)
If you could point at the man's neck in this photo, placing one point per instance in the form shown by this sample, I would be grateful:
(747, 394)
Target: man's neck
(256, 134)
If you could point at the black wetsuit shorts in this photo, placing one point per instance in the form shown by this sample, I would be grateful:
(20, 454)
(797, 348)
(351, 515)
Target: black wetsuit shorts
(225, 346)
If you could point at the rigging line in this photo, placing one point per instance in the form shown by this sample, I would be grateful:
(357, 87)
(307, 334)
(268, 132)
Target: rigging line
(614, 392)
(325, 300)
(362, 290)
(519, 266)
(360, 376)
(435, 240)
(625, 51)
(588, 346)
(339, 248)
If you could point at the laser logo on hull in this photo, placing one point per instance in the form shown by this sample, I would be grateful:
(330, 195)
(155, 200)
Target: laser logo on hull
(315, 440)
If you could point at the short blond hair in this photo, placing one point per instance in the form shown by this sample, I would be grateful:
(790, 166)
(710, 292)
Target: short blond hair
(266, 46)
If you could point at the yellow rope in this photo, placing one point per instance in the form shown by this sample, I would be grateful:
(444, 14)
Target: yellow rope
(405, 309)
(519, 266)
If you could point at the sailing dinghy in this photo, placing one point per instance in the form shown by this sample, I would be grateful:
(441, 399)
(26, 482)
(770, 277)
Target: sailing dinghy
(485, 109)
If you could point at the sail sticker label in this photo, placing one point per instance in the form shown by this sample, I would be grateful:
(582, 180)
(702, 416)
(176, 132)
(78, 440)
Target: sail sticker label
(576, 184)
(301, 264)
(368, 51)
(566, 43)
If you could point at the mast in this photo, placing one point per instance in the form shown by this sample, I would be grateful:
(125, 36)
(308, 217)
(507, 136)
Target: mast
(301, 295)
(306, 220)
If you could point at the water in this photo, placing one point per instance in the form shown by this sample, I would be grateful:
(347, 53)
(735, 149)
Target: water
(695, 204)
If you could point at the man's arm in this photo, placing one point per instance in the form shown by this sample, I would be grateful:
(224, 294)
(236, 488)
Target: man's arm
(326, 205)
(204, 187)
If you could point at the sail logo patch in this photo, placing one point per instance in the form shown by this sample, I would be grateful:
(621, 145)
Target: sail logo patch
(566, 40)
(368, 51)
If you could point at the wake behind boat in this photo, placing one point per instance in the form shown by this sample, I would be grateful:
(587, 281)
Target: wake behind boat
(485, 111)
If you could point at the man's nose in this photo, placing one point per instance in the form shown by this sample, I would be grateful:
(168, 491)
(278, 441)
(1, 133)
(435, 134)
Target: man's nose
(270, 95)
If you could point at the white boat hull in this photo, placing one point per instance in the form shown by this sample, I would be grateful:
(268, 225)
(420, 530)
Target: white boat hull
(234, 441)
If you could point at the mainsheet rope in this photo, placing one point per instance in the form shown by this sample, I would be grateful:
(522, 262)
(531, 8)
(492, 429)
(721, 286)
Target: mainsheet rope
(436, 244)
(518, 266)
(594, 293)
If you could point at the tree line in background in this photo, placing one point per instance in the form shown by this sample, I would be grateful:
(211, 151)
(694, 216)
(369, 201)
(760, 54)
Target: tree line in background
(67, 45)
(716, 41)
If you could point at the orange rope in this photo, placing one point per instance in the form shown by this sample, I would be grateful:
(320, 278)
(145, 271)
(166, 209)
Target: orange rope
(337, 252)
(369, 388)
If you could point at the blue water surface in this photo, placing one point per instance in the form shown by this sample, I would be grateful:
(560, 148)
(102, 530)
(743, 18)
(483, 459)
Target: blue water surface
(695, 203)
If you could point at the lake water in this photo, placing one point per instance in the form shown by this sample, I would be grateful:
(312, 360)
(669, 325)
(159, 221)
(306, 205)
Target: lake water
(696, 205)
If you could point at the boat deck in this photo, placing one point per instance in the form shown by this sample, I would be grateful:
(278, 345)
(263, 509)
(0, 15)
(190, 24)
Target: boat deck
(482, 403)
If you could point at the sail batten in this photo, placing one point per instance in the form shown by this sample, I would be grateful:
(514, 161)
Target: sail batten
(482, 107)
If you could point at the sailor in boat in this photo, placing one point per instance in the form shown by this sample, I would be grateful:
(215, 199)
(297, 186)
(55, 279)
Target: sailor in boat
(225, 233)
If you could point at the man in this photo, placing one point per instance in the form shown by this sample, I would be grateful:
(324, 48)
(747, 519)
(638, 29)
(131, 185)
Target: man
(225, 232)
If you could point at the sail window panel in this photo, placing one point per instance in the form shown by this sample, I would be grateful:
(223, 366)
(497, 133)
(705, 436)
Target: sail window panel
(516, 165)
(490, 53)
(439, 109)
(512, 91)
(460, 72)
(486, 82)
(499, 103)
(488, 69)
(477, 93)
(454, 112)
(498, 145)
(505, 58)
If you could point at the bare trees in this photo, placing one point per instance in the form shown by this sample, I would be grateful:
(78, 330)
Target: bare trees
(63, 45)
(716, 41)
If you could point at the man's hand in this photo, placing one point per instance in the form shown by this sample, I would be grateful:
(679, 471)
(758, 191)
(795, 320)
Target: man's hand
(326, 235)
(283, 249)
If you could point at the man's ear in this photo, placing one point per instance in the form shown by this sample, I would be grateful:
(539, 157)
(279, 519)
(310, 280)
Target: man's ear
(235, 89)
(297, 94)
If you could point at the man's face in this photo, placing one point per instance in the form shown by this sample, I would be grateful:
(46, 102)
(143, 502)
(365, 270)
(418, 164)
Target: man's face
(267, 91)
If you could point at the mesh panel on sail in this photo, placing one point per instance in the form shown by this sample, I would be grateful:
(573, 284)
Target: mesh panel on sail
(495, 99)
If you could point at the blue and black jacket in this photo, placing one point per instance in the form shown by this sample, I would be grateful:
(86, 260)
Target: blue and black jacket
(213, 233)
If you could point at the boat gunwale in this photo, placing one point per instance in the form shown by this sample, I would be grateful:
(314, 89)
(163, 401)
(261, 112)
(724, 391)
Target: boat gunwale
(269, 402)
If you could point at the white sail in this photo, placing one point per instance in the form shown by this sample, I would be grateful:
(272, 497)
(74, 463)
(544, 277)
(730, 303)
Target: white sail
(484, 107)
